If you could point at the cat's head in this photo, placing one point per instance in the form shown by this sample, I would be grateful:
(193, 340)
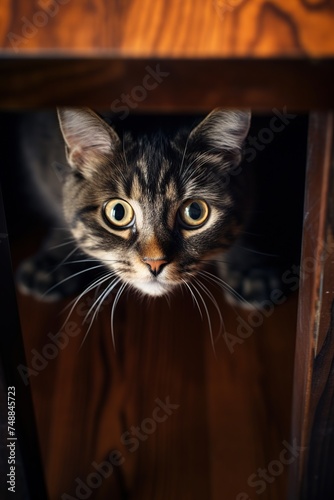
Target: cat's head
(154, 208)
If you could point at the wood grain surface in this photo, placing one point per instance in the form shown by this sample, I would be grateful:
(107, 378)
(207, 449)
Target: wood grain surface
(191, 28)
(233, 53)
(187, 85)
(313, 412)
(233, 412)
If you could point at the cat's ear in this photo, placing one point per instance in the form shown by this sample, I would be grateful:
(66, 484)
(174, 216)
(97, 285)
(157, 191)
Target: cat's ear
(223, 131)
(89, 140)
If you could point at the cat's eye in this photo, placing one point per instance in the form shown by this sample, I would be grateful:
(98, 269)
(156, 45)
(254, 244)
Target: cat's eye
(119, 213)
(194, 213)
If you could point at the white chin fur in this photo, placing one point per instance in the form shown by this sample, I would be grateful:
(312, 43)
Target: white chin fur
(153, 288)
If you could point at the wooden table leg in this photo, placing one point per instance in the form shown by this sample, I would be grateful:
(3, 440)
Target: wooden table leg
(312, 476)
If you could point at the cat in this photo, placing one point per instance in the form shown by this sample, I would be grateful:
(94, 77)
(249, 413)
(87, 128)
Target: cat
(152, 205)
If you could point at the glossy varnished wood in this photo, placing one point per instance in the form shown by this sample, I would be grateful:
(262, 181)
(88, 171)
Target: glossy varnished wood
(233, 412)
(185, 85)
(191, 28)
(313, 415)
(229, 53)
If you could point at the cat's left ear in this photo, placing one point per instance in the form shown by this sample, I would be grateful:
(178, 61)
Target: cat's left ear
(222, 131)
(89, 140)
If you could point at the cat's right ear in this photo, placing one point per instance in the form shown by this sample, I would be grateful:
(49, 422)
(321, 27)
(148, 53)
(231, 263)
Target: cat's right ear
(222, 131)
(90, 142)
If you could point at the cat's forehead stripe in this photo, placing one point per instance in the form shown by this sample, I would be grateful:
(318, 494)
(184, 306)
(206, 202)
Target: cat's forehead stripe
(136, 188)
(171, 190)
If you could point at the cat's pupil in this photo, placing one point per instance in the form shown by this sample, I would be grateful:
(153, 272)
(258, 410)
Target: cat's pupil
(118, 212)
(194, 211)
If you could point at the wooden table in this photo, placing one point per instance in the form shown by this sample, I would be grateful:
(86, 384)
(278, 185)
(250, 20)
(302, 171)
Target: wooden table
(232, 53)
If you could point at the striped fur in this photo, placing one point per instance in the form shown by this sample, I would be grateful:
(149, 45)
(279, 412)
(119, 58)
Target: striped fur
(155, 173)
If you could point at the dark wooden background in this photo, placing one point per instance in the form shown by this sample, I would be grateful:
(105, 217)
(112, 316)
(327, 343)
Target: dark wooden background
(217, 52)
(234, 408)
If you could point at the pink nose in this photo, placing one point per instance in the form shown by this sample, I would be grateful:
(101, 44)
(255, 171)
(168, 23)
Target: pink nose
(155, 265)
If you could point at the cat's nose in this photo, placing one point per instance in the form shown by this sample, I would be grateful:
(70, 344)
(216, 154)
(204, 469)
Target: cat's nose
(155, 265)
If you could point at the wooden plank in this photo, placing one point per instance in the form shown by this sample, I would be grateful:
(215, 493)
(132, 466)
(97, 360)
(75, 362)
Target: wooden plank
(233, 407)
(313, 409)
(249, 402)
(165, 85)
(217, 53)
(87, 399)
(191, 28)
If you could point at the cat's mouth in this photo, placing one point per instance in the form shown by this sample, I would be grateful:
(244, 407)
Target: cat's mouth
(171, 277)
(154, 287)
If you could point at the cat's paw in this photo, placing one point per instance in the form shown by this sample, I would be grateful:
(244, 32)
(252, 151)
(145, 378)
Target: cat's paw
(43, 277)
(252, 287)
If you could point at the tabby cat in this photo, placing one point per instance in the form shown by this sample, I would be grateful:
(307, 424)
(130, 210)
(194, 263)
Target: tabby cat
(151, 205)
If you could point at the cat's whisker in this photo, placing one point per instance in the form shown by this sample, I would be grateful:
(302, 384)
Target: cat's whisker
(99, 301)
(193, 296)
(214, 302)
(213, 261)
(71, 240)
(59, 228)
(125, 160)
(211, 279)
(184, 153)
(126, 163)
(71, 277)
(81, 261)
(118, 296)
(92, 260)
(75, 302)
(102, 294)
(65, 258)
(109, 289)
(98, 282)
(257, 252)
(206, 312)
(251, 233)
(220, 282)
(168, 300)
